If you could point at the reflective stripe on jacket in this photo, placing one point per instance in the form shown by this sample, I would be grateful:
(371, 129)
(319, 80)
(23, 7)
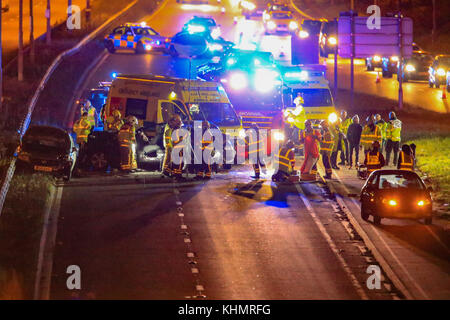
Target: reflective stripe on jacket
(406, 161)
(168, 137)
(127, 135)
(254, 144)
(327, 143)
(344, 125)
(394, 130)
(368, 136)
(285, 159)
(82, 128)
(373, 161)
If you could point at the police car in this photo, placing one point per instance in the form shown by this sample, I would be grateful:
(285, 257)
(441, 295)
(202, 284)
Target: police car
(137, 37)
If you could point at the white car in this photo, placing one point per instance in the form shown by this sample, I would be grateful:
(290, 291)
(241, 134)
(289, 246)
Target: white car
(279, 22)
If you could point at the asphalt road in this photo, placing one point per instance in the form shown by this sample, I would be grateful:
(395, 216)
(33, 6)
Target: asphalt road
(137, 237)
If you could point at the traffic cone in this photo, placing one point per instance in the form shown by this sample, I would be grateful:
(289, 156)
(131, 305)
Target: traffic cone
(378, 80)
(444, 94)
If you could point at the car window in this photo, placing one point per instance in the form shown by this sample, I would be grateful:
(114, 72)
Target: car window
(119, 30)
(169, 108)
(128, 31)
(399, 181)
(145, 31)
(137, 108)
(281, 15)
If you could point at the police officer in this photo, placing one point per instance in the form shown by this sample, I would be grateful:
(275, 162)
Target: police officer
(127, 144)
(393, 136)
(326, 146)
(285, 162)
(254, 143)
(92, 113)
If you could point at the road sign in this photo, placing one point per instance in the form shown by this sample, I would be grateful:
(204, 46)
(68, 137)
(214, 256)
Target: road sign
(368, 42)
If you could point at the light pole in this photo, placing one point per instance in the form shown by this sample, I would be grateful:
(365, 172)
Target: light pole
(48, 36)
(32, 53)
(20, 55)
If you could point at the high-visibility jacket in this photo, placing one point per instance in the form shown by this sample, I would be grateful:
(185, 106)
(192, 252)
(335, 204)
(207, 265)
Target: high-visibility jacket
(394, 130)
(82, 128)
(343, 126)
(127, 135)
(406, 161)
(91, 114)
(115, 125)
(373, 161)
(254, 144)
(368, 136)
(335, 133)
(327, 142)
(382, 125)
(168, 137)
(178, 138)
(285, 159)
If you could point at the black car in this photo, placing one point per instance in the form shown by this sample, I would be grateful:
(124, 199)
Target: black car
(416, 67)
(328, 38)
(438, 71)
(399, 194)
(47, 149)
(313, 27)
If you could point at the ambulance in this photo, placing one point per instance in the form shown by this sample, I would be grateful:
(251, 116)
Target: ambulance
(152, 99)
(309, 82)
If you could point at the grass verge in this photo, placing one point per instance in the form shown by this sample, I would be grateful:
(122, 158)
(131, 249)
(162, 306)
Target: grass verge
(20, 231)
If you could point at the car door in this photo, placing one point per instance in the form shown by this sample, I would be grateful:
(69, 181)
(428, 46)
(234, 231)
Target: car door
(128, 39)
(117, 36)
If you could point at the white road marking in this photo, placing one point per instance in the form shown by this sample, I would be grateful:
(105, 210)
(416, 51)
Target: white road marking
(332, 245)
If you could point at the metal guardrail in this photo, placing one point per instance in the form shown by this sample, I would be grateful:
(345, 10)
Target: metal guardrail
(27, 119)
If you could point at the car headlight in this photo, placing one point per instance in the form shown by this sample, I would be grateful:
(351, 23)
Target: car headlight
(332, 41)
(440, 72)
(148, 47)
(332, 117)
(410, 68)
(238, 81)
(423, 202)
(303, 34)
(293, 25)
(278, 136)
(271, 25)
(376, 58)
(394, 58)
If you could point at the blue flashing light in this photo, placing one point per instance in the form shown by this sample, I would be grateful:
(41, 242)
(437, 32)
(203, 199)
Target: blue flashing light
(231, 61)
(113, 75)
(257, 62)
(238, 81)
(195, 28)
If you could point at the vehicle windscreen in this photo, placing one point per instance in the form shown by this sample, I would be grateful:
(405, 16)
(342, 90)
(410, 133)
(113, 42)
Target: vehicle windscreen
(313, 26)
(314, 97)
(204, 22)
(217, 113)
(400, 181)
(43, 142)
(279, 8)
(330, 28)
(281, 15)
(144, 31)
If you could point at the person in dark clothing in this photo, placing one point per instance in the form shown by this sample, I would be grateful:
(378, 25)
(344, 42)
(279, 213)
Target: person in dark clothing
(354, 137)
(374, 159)
(406, 159)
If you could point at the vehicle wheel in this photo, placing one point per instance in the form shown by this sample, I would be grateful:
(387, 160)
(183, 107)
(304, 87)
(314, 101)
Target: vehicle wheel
(99, 161)
(364, 214)
(173, 52)
(377, 220)
(110, 47)
(139, 48)
(428, 220)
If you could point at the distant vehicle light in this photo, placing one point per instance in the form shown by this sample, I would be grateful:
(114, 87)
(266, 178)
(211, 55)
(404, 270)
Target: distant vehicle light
(215, 33)
(148, 47)
(410, 68)
(332, 117)
(303, 34)
(223, 10)
(113, 75)
(231, 61)
(332, 41)
(167, 40)
(394, 58)
(194, 28)
(278, 136)
(271, 25)
(440, 72)
(248, 5)
(376, 58)
(143, 24)
(293, 25)
(238, 81)
(215, 47)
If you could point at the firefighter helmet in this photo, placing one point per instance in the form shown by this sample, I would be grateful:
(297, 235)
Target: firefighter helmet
(116, 114)
(132, 120)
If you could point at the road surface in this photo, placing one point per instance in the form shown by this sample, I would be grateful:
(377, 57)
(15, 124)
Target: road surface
(139, 236)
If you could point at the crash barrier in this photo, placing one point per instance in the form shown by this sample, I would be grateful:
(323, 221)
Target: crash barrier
(27, 119)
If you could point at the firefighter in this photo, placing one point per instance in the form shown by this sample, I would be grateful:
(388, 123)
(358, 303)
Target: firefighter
(254, 144)
(393, 137)
(127, 143)
(173, 124)
(92, 113)
(285, 162)
(310, 138)
(116, 122)
(345, 122)
(204, 169)
(374, 159)
(326, 146)
(406, 159)
(370, 134)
